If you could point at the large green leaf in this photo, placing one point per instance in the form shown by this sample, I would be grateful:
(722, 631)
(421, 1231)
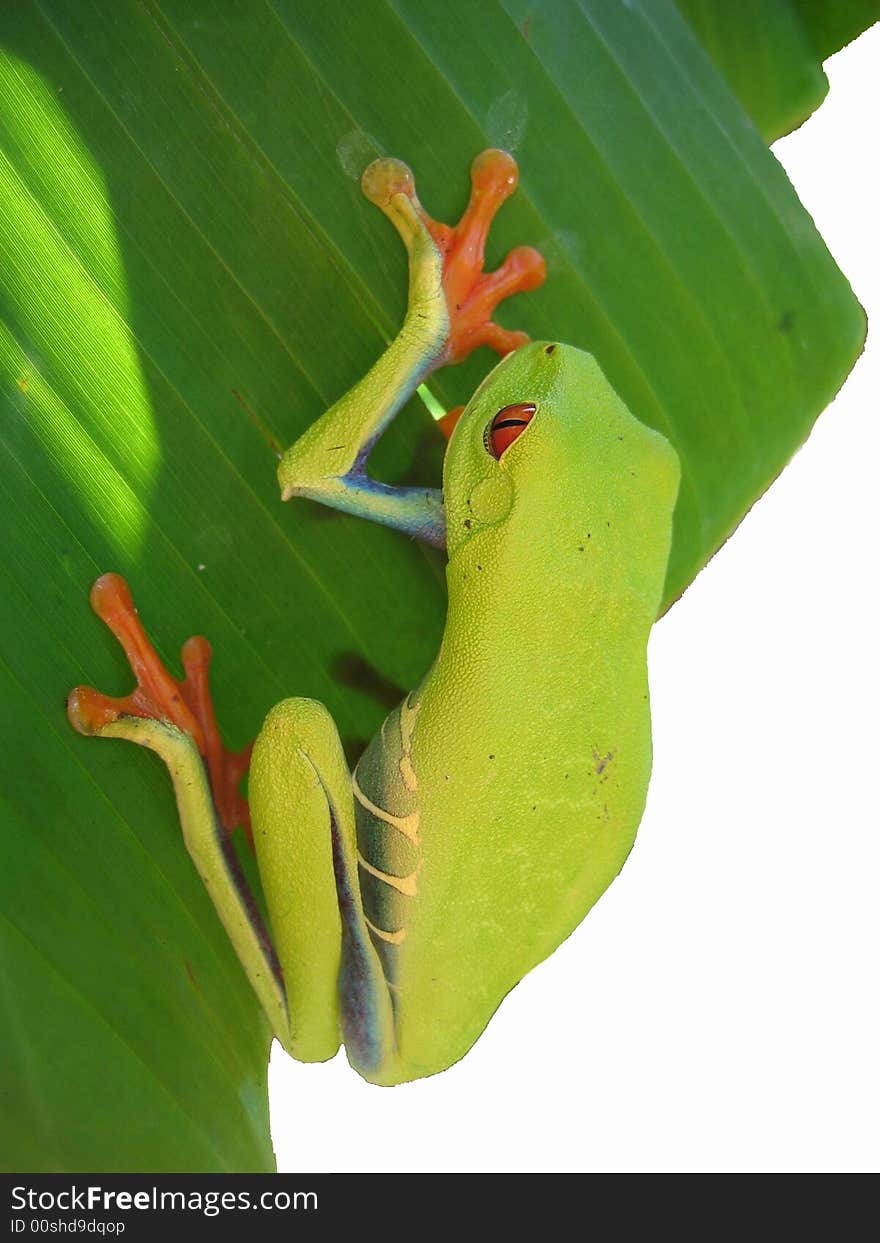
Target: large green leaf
(832, 26)
(771, 51)
(766, 56)
(183, 242)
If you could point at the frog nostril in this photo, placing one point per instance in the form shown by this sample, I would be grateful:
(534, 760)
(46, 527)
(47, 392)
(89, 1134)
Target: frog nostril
(549, 349)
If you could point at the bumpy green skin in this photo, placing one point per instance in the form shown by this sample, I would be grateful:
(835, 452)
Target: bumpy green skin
(531, 744)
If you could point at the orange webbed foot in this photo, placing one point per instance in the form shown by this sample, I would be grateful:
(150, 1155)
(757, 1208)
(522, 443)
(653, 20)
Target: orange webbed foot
(472, 294)
(158, 696)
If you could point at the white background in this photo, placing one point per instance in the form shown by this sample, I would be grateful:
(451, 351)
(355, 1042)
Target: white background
(718, 1009)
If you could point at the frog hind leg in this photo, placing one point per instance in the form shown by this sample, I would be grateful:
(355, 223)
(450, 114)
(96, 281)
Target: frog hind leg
(451, 301)
(305, 838)
(176, 721)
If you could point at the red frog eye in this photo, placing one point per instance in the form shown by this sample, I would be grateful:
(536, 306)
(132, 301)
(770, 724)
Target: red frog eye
(509, 422)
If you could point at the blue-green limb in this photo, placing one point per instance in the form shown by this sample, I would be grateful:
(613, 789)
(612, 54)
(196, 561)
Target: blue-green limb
(211, 850)
(328, 462)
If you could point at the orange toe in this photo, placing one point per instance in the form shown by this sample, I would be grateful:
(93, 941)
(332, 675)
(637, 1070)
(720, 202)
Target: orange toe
(159, 696)
(472, 294)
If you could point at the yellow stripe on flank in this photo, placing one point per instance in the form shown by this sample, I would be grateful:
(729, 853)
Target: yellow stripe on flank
(407, 825)
(393, 938)
(407, 728)
(403, 884)
(408, 773)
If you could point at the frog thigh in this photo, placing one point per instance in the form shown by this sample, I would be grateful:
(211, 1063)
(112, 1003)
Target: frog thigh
(304, 834)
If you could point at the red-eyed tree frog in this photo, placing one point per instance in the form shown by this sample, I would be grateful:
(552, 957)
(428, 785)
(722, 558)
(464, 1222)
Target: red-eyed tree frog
(502, 796)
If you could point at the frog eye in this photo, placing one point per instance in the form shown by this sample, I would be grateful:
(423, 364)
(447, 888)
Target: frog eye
(508, 423)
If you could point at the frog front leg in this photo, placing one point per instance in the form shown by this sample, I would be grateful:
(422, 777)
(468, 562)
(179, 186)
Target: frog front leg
(318, 977)
(451, 301)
